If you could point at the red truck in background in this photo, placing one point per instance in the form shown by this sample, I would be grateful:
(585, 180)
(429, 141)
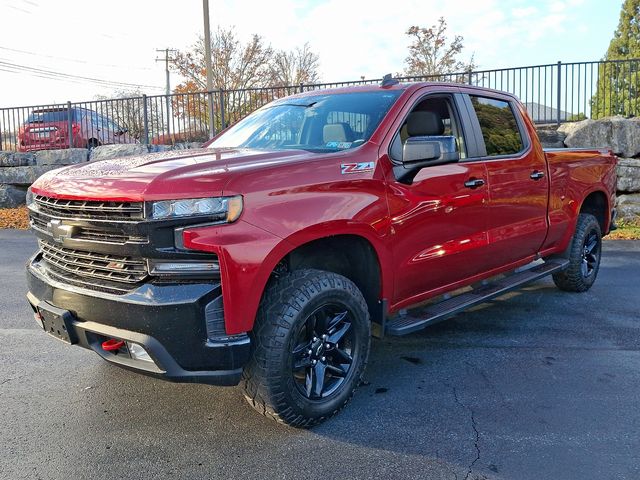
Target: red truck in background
(272, 256)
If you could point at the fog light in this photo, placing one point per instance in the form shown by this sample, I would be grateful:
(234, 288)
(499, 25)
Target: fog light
(138, 352)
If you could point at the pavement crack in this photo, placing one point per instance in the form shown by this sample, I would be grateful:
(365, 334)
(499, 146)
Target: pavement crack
(474, 426)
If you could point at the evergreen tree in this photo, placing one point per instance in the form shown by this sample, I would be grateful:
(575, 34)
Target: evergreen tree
(619, 82)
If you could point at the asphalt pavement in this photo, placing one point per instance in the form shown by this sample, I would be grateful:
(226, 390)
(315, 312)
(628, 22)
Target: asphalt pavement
(539, 384)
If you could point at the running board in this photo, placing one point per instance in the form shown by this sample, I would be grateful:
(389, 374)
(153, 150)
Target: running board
(434, 313)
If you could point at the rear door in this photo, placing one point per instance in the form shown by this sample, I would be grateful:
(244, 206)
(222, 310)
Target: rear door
(517, 178)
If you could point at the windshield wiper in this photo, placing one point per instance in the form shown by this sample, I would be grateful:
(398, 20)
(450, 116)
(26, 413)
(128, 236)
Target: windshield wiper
(305, 105)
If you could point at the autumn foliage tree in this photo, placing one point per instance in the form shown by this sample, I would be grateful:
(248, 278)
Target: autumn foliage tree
(432, 55)
(239, 69)
(617, 92)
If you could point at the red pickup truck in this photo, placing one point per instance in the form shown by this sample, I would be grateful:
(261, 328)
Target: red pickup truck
(273, 255)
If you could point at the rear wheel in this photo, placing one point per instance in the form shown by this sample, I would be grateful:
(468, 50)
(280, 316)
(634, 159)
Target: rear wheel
(92, 143)
(311, 344)
(584, 256)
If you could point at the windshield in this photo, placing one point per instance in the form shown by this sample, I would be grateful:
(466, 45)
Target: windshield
(321, 123)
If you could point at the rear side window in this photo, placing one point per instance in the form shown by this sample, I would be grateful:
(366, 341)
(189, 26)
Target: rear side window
(46, 116)
(499, 126)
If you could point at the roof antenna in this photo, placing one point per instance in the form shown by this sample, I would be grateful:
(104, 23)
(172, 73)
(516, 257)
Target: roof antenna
(388, 81)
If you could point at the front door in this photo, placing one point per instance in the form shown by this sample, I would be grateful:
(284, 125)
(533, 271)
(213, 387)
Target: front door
(439, 219)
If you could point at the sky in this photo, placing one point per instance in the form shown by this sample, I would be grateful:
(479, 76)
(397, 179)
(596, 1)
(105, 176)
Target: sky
(113, 43)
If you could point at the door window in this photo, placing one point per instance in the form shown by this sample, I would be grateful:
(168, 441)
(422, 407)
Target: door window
(499, 126)
(432, 116)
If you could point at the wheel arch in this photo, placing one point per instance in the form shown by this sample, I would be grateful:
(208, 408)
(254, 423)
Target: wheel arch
(597, 204)
(350, 255)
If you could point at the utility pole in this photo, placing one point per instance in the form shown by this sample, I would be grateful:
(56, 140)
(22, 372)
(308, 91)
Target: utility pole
(166, 61)
(207, 55)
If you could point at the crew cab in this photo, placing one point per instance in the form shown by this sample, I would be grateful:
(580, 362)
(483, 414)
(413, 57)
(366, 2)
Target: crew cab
(272, 256)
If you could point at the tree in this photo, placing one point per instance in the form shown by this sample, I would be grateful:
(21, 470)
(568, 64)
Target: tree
(299, 66)
(617, 91)
(431, 55)
(239, 69)
(126, 109)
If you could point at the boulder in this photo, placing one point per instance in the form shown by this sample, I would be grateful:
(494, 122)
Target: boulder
(622, 135)
(15, 159)
(12, 196)
(629, 175)
(107, 152)
(68, 156)
(22, 175)
(629, 208)
(550, 137)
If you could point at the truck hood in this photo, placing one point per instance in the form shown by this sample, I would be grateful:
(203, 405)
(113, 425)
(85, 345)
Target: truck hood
(156, 176)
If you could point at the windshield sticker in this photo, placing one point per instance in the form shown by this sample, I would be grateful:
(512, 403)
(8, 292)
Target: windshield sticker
(339, 145)
(357, 167)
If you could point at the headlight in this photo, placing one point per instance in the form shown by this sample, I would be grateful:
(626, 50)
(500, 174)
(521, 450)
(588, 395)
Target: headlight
(223, 208)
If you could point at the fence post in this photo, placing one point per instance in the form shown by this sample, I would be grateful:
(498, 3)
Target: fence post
(301, 87)
(559, 92)
(70, 124)
(470, 79)
(168, 107)
(145, 119)
(222, 120)
(212, 120)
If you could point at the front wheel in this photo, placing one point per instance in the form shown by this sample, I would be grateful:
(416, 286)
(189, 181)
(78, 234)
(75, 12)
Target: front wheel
(311, 343)
(584, 256)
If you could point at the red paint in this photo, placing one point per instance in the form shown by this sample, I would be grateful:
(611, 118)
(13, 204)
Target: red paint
(112, 345)
(430, 237)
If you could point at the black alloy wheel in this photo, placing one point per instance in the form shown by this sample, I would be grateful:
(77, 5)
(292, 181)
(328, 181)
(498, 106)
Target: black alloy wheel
(584, 256)
(310, 346)
(322, 357)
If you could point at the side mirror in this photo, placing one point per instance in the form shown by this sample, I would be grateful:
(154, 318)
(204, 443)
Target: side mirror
(122, 131)
(425, 151)
(421, 152)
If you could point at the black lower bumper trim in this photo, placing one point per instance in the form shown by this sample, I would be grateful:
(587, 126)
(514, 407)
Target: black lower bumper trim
(166, 320)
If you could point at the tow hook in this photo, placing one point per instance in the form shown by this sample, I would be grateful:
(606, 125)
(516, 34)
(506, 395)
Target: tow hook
(112, 345)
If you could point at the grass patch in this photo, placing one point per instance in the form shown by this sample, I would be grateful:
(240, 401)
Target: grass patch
(17, 218)
(626, 231)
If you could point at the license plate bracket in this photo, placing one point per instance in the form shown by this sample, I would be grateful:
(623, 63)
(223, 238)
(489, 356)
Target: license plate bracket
(57, 322)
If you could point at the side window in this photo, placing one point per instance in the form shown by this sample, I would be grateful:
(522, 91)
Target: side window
(431, 116)
(498, 125)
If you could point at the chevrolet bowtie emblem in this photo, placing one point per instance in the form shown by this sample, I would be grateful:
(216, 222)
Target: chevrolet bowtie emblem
(58, 231)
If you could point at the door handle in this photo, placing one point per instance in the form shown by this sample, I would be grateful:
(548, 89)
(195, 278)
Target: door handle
(474, 183)
(536, 175)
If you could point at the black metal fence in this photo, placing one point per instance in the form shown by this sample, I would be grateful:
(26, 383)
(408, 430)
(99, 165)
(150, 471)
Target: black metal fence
(553, 93)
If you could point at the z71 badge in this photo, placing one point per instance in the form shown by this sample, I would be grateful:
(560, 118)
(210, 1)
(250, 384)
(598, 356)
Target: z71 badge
(357, 167)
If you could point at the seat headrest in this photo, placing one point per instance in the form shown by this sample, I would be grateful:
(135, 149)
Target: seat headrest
(424, 124)
(336, 132)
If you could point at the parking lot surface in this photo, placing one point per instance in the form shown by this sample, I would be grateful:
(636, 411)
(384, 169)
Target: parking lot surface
(539, 384)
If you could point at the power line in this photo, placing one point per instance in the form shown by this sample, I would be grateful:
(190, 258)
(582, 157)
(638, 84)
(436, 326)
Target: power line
(43, 73)
(84, 62)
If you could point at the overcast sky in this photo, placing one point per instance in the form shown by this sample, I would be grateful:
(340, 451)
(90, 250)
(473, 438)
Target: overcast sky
(115, 40)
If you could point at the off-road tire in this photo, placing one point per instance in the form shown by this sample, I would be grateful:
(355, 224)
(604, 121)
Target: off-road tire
(268, 381)
(92, 143)
(573, 278)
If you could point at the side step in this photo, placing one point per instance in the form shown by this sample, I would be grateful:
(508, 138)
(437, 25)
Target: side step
(434, 313)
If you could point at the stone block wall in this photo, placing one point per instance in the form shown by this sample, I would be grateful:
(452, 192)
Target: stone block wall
(19, 170)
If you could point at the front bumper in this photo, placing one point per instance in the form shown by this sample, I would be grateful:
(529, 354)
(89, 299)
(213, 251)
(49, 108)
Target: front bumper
(168, 320)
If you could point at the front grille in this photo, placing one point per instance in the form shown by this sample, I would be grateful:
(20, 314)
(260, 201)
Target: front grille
(93, 234)
(90, 266)
(91, 209)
